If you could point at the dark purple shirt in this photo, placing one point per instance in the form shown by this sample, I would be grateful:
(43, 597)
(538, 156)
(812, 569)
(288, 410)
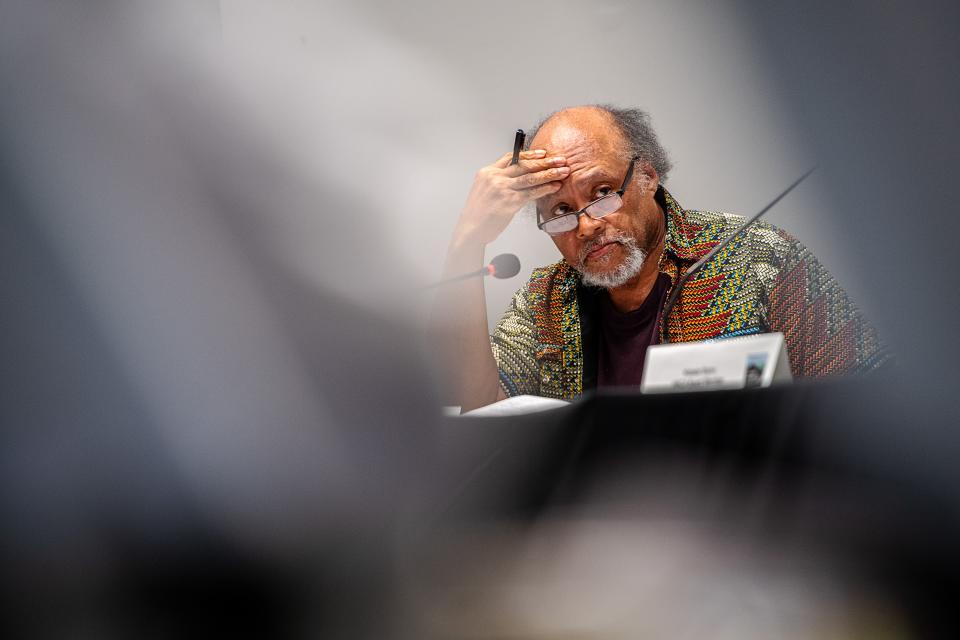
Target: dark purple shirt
(624, 337)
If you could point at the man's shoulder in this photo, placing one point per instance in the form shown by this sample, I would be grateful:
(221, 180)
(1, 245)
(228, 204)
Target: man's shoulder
(704, 229)
(557, 270)
(547, 285)
(711, 222)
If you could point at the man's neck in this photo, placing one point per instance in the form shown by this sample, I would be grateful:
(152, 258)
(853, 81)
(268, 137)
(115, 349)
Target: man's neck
(632, 295)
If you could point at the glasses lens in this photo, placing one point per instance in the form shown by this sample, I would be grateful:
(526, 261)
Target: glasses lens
(560, 224)
(605, 206)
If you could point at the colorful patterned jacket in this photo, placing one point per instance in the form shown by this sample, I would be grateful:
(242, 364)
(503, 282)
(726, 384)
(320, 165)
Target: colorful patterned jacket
(547, 341)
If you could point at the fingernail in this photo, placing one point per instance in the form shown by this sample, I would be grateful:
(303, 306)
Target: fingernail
(563, 170)
(558, 160)
(540, 152)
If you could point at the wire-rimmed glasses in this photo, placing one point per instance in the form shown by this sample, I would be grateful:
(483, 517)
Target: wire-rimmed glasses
(602, 206)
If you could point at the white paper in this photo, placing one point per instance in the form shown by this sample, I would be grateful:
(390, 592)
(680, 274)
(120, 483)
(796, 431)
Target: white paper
(515, 406)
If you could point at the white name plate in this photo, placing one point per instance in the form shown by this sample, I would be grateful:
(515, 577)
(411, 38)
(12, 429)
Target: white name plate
(732, 363)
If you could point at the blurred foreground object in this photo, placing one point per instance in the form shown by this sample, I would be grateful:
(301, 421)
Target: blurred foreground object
(201, 434)
(736, 514)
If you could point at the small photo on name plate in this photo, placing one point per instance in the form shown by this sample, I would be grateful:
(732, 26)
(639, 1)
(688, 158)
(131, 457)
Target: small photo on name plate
(755, 365)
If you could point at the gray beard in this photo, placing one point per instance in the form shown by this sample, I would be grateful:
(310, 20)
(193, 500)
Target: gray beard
(625, 271)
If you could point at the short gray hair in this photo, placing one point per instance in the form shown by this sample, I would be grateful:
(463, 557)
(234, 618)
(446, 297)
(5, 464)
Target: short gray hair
(635, 126)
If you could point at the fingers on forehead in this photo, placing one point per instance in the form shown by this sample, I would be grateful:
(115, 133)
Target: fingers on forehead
(542, 190)
(528, 165)
(505, 159)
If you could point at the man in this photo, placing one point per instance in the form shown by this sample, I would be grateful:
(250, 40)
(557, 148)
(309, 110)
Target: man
(595, 174)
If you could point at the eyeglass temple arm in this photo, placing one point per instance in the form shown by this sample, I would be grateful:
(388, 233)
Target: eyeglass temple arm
(628, 177)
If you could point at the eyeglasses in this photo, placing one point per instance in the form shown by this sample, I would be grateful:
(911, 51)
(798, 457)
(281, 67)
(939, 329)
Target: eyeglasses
(602, 206)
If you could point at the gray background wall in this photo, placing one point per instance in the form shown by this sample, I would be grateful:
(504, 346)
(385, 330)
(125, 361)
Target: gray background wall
(418, 95)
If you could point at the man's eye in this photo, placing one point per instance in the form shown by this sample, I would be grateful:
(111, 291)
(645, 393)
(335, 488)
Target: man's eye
(603, 191)
(559, 210)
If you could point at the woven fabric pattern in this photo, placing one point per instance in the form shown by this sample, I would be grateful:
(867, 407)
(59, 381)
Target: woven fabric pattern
(763, 281)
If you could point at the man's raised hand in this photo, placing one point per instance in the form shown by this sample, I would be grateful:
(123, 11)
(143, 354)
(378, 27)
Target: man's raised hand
(501, 189)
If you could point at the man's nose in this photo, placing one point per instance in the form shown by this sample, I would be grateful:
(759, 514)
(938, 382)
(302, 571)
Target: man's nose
(588, 226)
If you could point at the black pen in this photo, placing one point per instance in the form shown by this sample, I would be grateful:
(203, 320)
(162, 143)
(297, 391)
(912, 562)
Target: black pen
(518, 145)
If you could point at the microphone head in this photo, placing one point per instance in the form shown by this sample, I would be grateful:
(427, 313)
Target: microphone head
(505, 265)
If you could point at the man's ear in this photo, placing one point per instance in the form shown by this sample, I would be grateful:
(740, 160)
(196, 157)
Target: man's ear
(648, 177)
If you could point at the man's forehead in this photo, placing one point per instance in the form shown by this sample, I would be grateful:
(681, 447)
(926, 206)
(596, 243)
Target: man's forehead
(563, 134)
(577, 181)
(567, 139)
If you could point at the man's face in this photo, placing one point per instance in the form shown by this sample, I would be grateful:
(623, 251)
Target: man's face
(601, 249)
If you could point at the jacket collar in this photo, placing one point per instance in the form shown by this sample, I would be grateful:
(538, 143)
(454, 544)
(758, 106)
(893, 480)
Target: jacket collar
(685, 239)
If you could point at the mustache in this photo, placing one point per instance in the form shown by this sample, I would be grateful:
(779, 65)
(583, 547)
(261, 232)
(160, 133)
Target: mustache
(619, 237)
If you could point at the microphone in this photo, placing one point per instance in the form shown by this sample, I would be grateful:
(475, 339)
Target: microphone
(505, 265)
(699, 264)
